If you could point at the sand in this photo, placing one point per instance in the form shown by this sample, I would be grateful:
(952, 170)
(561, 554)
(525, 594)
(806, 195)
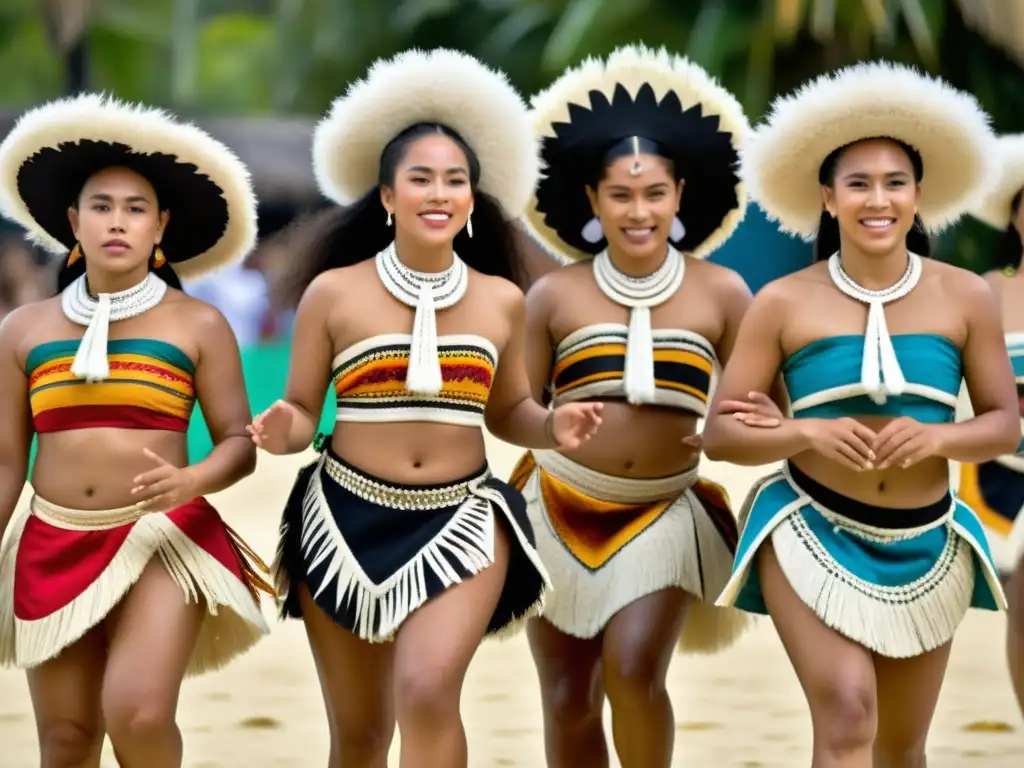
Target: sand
(742, 707)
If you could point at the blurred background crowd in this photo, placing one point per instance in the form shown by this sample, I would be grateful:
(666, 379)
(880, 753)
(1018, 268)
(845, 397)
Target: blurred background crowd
(258, 73)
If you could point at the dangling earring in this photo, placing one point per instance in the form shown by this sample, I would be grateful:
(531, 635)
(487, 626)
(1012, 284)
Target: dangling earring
(158, 258)
(469, 223)
(389, 218)
(593, 232)
(677, 231)
(75, 255)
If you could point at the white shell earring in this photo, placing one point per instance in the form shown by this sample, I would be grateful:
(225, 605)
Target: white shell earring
(677, 231)
(592, 231)
(389, 218)
(469, 223)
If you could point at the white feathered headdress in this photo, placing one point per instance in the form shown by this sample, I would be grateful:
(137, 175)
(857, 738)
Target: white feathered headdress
(436, 86)
(946, 126)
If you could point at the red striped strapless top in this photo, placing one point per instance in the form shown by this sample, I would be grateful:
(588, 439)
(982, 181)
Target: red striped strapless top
(150, 387)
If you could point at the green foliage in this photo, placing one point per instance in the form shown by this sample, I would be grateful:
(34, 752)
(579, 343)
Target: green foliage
(31, 72)
(129, 66)
(235, 57)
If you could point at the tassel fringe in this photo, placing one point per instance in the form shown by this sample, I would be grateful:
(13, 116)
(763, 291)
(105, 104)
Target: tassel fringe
(8, 563)
(710, 628)
(898, 622)
(681, 549)
(223, 636)
(468, 539)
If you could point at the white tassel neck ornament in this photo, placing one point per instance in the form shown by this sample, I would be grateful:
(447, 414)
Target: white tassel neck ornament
(880, 372)
(427, 292)
(640, 294)
(97, 313)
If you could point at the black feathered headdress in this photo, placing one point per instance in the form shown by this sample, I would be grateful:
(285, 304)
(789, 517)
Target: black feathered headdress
(646, 94)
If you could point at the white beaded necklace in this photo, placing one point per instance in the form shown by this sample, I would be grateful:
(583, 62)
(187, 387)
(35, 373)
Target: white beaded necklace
(640, 294)
(427, 292)
(97, 313)
(880, 371)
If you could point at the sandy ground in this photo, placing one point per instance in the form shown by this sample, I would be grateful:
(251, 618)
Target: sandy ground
(742, 707)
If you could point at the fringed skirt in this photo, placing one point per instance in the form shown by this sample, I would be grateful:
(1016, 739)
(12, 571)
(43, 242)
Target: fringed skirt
(608, 541)
(897, 581)
(372, 552)
(62, 571)
(995, 491)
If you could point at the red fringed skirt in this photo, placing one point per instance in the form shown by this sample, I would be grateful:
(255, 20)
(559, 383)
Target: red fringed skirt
(62, 571)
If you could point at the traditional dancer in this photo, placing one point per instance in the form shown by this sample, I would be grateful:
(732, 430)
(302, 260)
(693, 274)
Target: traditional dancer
(121, 578)
(399, 531)
(855, 547)
(640, 167)
(995, 489)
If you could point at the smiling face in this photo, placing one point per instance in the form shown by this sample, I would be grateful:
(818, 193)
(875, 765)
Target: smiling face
(118, 221)
(431, 197)
(873, 194)
(636, 212)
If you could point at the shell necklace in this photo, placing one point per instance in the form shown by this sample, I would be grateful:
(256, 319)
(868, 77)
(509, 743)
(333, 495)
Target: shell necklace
(427, 292)
(639, 294)
(880, 371)
(97, 313)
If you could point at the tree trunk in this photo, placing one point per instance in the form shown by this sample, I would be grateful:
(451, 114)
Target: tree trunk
(76, 75)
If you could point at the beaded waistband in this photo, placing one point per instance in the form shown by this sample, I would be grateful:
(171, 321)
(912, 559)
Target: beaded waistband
(881, 524)
(396, 496)
(618, 490)
(84, 519)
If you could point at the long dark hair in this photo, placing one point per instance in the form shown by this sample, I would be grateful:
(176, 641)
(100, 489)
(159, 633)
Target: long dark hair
(827, 241)
(343, 236)
(68, 274)
(1008, 252)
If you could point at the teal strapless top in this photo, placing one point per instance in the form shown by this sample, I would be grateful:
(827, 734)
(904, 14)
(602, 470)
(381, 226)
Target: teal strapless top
(1015, 346)
(823, 379)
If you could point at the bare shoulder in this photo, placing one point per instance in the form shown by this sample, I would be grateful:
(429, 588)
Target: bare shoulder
(23, 325)
(549, 286)
(18, 322)
(791, 288)
(333, 285)
(958, 283)
(204, 320)
(31, 314)
(723, 282)
(996, 279)
(344, 279)
(499, 291)
(572, 273)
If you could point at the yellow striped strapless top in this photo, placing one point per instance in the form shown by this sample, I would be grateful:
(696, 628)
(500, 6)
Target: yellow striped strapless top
(369, 381)
(589, 363)
(150, 387)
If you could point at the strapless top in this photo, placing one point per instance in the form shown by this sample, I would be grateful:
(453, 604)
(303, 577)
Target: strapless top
(590, 363)
(823, 379)
(369, 381)
(150, 387)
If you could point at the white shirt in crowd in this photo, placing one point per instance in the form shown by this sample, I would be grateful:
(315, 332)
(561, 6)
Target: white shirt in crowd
(241, 295)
